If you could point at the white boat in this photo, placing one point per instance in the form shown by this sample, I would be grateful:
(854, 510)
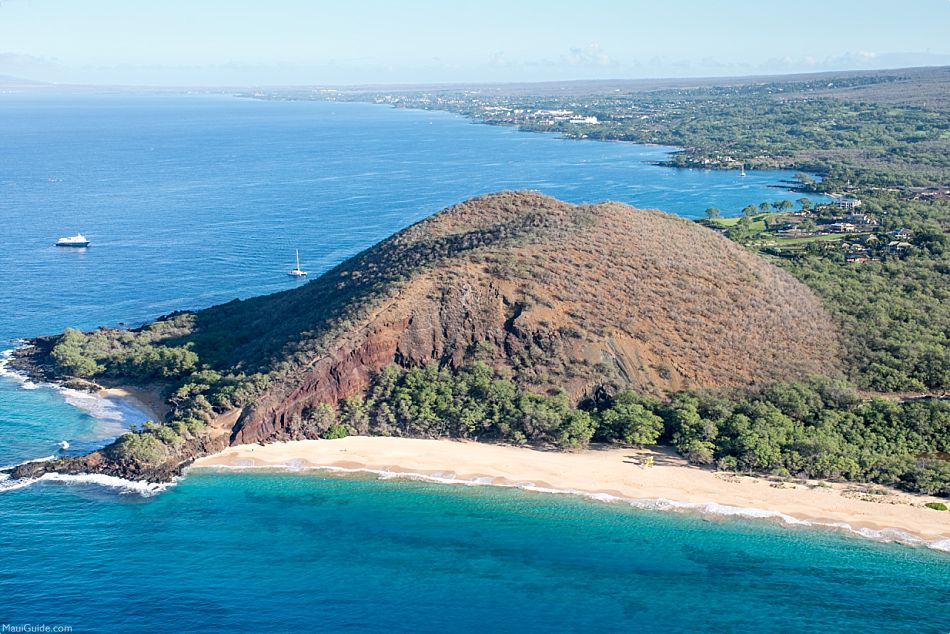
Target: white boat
(296, 272)
(78, 240)
(64, 445)
(742, 172)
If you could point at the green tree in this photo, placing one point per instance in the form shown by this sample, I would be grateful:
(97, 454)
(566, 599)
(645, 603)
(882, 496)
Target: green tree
(355, 414)
(575, 431)
(691, 434)
(742, 230)
(805, 203)
(334, 431)
(630, 421)
(712, 212)
(70, 355)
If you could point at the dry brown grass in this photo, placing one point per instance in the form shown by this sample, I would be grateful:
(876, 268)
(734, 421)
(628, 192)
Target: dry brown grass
(565, 297)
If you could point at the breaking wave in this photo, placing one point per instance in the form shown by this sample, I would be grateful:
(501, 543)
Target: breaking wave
(112, 414)
(140, 487)
(5, 357)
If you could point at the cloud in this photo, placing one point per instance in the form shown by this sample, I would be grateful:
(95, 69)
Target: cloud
(590, 55)
(29, 66)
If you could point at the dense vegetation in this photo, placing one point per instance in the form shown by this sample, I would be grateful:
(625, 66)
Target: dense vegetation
(821, 429)
(894, 316)
(195, 392)
(894, 310)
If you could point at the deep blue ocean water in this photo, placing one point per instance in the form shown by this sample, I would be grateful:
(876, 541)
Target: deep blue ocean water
(190, 201)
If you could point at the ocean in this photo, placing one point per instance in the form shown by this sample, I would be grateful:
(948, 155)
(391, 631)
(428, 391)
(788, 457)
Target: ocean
(195, 200)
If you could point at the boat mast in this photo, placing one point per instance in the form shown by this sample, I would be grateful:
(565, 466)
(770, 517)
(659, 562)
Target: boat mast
(297, 251)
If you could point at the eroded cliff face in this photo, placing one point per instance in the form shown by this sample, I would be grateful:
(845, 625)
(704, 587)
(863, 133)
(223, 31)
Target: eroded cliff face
(588, 297)
(426, 323)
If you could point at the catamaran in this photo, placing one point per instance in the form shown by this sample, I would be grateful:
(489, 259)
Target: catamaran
(296, 272)
(78, 240)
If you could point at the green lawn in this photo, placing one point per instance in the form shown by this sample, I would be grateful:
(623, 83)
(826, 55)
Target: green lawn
(758, 222)
(834, 237)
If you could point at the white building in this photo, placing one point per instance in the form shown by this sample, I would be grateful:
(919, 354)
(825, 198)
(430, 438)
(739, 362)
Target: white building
(846, 203)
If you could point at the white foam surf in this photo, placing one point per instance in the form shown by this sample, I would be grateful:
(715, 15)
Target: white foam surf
(650, 504)
(9, 484)
(5, 371)
(112, 414)
(140, 487)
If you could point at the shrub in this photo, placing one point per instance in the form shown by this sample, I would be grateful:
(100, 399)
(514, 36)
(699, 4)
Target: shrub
(937, 506)
(629, 420)
(70, 355)
(141, 447)
(335, 431)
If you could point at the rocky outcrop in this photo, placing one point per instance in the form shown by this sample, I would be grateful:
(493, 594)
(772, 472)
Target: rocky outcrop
(104, 463)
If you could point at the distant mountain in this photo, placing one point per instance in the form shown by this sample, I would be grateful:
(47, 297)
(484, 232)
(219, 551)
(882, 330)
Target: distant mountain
(7, 80)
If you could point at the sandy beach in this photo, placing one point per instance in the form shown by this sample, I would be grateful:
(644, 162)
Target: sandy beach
(622, 473)
(149, 401)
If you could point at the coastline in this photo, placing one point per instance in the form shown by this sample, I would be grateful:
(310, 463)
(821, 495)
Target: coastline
(147, 400)
(20, 363)
(695, 162)
(114, 407)
(611, 474)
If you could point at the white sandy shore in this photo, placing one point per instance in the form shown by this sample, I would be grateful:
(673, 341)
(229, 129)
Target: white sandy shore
(612, 472)
(148, 401)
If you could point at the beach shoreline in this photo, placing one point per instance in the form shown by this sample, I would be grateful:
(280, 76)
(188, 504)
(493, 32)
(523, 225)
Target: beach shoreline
(611, 474)
(148, 400)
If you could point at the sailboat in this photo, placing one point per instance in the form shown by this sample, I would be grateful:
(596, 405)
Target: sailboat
(296, 272)
(742, 170)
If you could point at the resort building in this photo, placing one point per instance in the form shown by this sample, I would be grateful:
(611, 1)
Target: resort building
(846, 203)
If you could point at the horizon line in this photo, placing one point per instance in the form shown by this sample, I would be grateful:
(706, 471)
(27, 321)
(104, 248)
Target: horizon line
(32, 83)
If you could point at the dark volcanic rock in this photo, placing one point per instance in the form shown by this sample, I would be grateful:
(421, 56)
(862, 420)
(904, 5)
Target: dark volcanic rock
(102, 462)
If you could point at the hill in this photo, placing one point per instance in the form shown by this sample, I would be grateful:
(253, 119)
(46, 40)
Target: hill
(562, 296)
(579, 299)
(518, 318)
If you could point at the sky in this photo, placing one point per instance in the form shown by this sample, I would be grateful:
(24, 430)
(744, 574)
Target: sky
(347, 42)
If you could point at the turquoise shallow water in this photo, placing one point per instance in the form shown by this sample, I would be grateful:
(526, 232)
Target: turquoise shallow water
(304, 552)
(191, 201)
